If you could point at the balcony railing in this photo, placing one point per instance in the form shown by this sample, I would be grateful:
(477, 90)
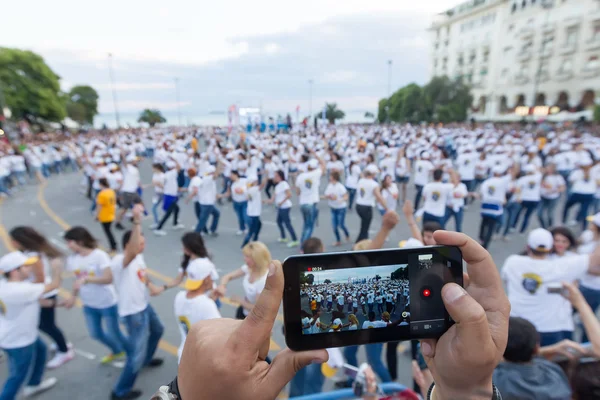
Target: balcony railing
(568, 48)
(524, 55)
(521, 79)
(593, 44)
(590, 72)
(562, 75)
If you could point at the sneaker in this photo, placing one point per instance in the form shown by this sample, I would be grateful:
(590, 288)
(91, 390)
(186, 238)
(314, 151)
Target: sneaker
(214, 234)
(294, 243)
(60, 359)
(155, 362)
(119, 226)
(239, 233)
(46, 384)
(572, 223)
(283, 240)
(512, 230)
(153, 226)
(133, 394)
(112, 357)
(54, 347)
(178, 227)
(158, 232)
(506, 238)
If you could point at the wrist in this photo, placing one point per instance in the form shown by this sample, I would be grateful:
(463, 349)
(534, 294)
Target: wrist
(484, 391)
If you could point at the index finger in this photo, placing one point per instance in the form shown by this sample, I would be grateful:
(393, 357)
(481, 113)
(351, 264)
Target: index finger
(480, 265)
(256, 328)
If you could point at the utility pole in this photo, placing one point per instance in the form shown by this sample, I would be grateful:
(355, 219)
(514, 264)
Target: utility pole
(177, 101)
(114, 90)
(310, 85)
(389, 91)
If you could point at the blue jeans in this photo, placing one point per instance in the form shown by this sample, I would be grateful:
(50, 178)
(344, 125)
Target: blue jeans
(226, 183)
(373, 358)
(351, 197)
(458, 218)
(206, 210)
(529, 207)
(433, 218)
(584, 201)
(21, 177)
(3, 185)
(283, 220)
(46, 170)
(593, 298)
(241, 208)
(550, 338)
(338, 221)
(254, 225)
(24, 362)
(309, 380)
(155, 207)
(419, 189)
(111, 337)
(511, 212)
(145, 330)
(308, 215)
(546, 212)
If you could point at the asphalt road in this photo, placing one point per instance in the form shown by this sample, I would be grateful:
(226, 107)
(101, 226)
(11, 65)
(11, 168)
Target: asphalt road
(60, 204)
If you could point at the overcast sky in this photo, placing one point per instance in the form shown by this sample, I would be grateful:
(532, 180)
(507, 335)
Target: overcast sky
(254, 53)
(342, 275)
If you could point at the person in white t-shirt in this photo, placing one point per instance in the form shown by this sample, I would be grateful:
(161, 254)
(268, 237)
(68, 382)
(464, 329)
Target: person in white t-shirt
(170, 197)
(528, 192)
(282, 200)
(436, 196)
(143, 326)
(352, 181)
(307, 187)
(129, 188)
(94, 285)
(493, 193)
(19, 319)
(158, 182)
(423, 169)
(194, 304)
(207, 197)
(402, 171)
(528, 279)
(455, 204)
(553, 184)
(590, 284)
(368, 193)
(389, 192)
(583, 188)
(254, 191)
(27, 239)
(238, 190)
(465, 166)
(337, 196)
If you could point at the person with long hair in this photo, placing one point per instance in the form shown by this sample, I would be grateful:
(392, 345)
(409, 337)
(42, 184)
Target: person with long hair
(337, 194)
(389, 192)
(352, 178)
(553, 184)
(368, 193)
(158, 182)
(106, 209)
(254, 209)
(94, 285)
(402, 171)
(257, 259)
(238, 190)
(282, 199)
(30, 241)
(565, 244)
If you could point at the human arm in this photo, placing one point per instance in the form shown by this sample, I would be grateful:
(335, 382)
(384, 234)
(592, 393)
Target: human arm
(409, 211)
(132, 249)
(587, 315)
(288, 195)
(175, 281)
(379, 197)
(238, 273)
(388, 223)
(566, 348)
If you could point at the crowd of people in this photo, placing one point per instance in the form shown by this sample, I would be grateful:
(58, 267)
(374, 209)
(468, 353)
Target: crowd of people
(510, 173)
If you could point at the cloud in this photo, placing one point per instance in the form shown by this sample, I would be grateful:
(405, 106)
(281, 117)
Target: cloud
(138, 105)
(272, 48)
(123, 86)
(341, 76)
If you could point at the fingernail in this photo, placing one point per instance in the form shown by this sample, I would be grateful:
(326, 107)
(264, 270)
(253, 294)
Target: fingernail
(317, 361)
(453, 292)
(271, 269)
(426, 349)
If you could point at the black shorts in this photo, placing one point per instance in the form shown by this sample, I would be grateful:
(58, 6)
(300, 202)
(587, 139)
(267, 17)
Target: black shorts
(129, 199)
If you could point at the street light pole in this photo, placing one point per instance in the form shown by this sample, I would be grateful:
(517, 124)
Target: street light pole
(389, 91)
(114, 91)
(310, 84)
(547, 5)
(177, 101)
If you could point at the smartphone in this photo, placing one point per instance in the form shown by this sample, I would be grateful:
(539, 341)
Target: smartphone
(361, 297)
(556, 289)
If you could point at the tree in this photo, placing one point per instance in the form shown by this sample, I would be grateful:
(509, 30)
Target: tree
(400, 273)
(369, 114)
(31, 88)
(151, 117)
(597, 113)
(332, 112)
(327, 281)
(310, 279)
(82, 104)
(381, 110)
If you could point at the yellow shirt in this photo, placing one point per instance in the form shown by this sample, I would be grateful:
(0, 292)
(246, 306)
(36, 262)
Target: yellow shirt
(194, 144)
(107, 204)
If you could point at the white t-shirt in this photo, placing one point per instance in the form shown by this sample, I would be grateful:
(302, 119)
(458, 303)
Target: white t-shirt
(527, 282)
(93, 265)
(374, 324)
(553, 183)
(580, 184)
(339, 191)
(171, 188)
(254, 201)
(493, 193)
(207, 192)
(465, 165)
(280, 193)
(195, 183)
(252, 289)
(456, 203)
(131, 179)
(308, 183)
(189, 311)
(19, 313)
(366, 192)
(239, 190)
(130, 283)
(390, 195)
(353, 177)
(47, 273)
(270, 169)
(529, 186)
(402, 167)
(422, 170)
(158, 178)
(588, 280)
(436, 196)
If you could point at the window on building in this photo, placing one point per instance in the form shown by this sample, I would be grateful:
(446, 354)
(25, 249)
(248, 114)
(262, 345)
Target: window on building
(572, 35)
(460, 60)
(472, 57)
(486, 55)
(483, 71)
(524, 69)
(504, 73)
(511, 27)
(592, 63)
(446, 43)
(437, 46)
(527, 45)
(547, 42)
(437, 33)
(596, 31)
(514, 8)
(566, 66)
(435, 63)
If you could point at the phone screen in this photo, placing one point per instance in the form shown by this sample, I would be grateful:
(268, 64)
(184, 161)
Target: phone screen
(340, 299)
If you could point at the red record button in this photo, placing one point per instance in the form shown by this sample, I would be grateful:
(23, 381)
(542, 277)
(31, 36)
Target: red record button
(426, 292)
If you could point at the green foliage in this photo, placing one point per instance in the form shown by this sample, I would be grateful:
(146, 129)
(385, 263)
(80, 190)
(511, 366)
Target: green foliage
(310, 279)
(332, 112)
(327, 281)
(151, 117)
(82, 104)
(597, 113)
(400, 273)
(440, 100)
(31, 88)
(369, 114)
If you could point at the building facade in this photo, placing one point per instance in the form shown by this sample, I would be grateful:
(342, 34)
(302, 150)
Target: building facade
(522, 57)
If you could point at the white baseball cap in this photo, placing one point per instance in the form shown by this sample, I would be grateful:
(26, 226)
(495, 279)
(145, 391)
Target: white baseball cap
(410, 243)
(14, 260)
(595, 219)
(584, 162)
(498, 169)
(312, 164)
(540, 240)
(210, 170)
(532, 149)
(371, 169)
(171, 164)
(529, 168)
(337, 323)
(197, 271)
(425, 155)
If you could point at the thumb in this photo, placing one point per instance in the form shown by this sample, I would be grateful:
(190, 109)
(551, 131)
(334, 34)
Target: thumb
(287, 363)
(471, 321)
